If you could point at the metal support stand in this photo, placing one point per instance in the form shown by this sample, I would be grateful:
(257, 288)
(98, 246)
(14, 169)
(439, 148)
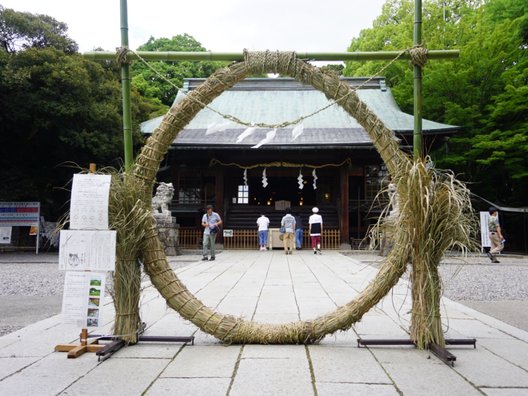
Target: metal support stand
(117, 343)
(440, 352)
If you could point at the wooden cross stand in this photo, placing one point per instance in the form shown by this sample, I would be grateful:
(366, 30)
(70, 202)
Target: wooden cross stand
(76, 350)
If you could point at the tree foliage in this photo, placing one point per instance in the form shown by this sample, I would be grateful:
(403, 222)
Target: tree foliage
(152, 86)
(56, 108)
(485, 91)
(22, 30)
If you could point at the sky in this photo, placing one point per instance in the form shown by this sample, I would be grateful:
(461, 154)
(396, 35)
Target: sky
(220, 26)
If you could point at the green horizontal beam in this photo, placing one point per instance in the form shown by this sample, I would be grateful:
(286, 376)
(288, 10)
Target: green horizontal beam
(239, 56)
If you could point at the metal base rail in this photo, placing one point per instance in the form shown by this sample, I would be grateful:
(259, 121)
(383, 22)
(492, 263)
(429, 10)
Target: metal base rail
(117, 343)
(440, 352)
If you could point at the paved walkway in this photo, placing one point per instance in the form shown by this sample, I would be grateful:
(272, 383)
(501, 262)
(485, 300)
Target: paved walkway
(273, 287)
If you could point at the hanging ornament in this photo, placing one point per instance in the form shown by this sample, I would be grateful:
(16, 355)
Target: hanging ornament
(269, 137)
(314, 179)
(264, 179)
(248, 132)
(297, 131)
(245, 177)
(300, 180)
(218, 127)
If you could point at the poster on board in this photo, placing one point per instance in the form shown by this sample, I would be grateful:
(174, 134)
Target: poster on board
(83, 298)
(81, 250)
(89, 202)
(484, 230)
(5, 235)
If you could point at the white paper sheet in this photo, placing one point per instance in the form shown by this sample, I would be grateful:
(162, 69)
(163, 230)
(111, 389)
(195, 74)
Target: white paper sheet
(89, 202)
(87, 250)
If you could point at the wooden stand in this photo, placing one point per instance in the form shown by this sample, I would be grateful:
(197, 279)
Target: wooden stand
(77, 350)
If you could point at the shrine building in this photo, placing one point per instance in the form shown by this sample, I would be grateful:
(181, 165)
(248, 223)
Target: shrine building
(333, 159)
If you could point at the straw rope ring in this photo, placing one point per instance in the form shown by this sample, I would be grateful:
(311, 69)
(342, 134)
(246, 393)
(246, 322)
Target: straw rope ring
(228, 328)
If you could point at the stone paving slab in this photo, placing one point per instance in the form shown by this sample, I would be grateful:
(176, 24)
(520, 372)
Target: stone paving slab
(419, 373)
(118, 377)
(271, 287)
(189, 363)
(347, 389)
(189, 386)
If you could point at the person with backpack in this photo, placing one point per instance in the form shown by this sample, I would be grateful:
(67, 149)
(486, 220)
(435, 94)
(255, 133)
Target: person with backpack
(288, 225)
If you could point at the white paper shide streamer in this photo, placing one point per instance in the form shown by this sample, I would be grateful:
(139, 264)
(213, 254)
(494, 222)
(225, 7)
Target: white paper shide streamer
(297, 131)
(218, 127)
(245, 178)
(300, 180)
(269, 137)
(248, 132)
(314, 180)
(264, 178)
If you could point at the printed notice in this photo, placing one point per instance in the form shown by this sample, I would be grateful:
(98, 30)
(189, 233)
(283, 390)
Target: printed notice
(5, 235)
(89, 202)
(82, 301)
(81, 250)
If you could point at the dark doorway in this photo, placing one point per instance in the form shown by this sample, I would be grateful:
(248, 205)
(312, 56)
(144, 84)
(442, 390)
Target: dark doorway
(280, 188)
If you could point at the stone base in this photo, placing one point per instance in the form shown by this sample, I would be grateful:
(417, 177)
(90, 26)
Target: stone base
(168, 232)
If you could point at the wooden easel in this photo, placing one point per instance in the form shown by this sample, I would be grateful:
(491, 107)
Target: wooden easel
(86, 345)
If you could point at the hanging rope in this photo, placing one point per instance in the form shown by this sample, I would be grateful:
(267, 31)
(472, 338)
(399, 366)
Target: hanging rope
(278, 164)
(257, 62)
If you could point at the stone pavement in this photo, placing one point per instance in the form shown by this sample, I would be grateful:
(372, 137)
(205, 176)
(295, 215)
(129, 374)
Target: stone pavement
(273, 287)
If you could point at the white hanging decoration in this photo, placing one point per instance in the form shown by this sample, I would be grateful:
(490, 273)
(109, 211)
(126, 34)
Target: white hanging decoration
(264, 179)
(269, 137)
(314, 179)
(248, 132)
(218, 127)
(297, 131)
(245, 177)
(300, 180)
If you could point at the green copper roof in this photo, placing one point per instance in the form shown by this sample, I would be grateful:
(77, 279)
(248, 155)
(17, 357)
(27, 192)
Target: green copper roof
(274, 100)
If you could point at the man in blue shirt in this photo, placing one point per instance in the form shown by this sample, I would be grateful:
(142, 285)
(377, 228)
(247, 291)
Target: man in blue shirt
(211, 222)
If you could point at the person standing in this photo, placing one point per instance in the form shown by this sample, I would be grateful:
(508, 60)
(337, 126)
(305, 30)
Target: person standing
(263, 225)
(495, 235)
(315, 223)
(288, 223)
(298, 232)
(211, 223)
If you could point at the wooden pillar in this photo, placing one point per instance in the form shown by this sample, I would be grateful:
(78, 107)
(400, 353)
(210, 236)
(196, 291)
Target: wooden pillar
(343, 220)
(219, 197)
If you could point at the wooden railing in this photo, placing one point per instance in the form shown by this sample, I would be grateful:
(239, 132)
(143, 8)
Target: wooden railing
(242, 239)
(191, 238)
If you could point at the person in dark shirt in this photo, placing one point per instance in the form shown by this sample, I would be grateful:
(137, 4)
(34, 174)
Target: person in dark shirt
(298, 232)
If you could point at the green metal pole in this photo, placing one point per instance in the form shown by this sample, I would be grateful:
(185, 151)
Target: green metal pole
(417, 40)
(239, 56)
(125, 88)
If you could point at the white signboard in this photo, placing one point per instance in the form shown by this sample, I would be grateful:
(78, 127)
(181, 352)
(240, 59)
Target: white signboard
(83, 298)
(5, 235)
(484, 230)
(81, 250)
(89, 202)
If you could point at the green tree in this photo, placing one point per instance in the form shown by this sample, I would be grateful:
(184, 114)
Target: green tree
(56, 108)
(21, 30)
(152, 86)
(484, 91)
